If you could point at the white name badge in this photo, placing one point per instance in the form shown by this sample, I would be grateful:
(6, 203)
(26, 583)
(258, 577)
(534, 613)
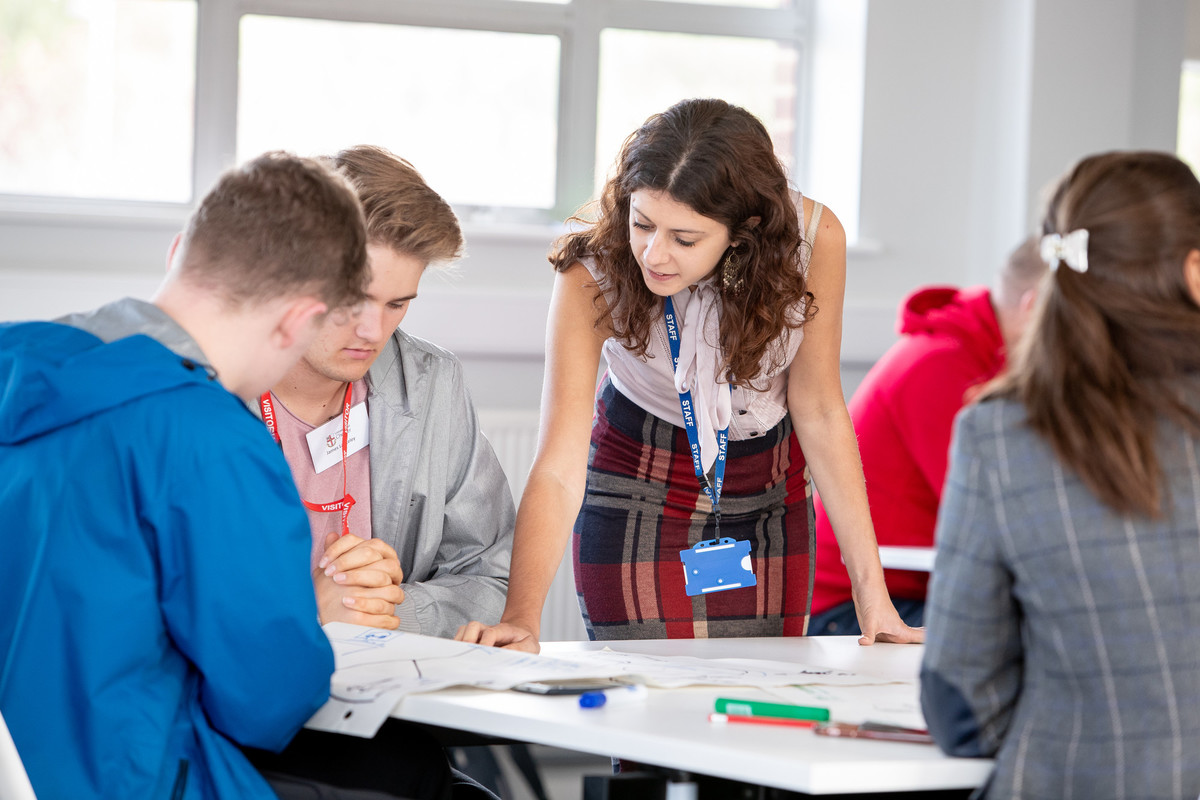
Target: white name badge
(325, 442)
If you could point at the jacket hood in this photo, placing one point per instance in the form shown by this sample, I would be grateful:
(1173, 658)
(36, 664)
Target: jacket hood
(964, 314)
(52, 375)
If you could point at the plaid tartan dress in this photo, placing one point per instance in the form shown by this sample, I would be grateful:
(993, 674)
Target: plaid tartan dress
(644, 504)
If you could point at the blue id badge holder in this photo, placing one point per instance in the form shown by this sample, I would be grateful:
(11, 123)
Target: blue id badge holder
(716, 565)
(713, 565)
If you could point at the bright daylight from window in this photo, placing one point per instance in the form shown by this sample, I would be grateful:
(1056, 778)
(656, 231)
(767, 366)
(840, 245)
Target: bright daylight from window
(96, 98)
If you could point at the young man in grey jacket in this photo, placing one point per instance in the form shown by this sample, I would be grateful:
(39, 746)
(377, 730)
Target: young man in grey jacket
(411, 514)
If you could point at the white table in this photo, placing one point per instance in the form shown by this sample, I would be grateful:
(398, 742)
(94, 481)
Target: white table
(671, 728)
(919, 559)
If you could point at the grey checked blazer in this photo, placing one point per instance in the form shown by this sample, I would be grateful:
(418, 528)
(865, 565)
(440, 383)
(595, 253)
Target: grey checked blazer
(1062, 638)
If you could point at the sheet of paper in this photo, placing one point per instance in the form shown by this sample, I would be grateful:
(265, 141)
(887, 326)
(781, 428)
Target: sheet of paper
(674, 671)
(376, 668)
(855, 704)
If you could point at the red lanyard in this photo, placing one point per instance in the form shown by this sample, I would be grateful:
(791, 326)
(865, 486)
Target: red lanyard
(343, 505)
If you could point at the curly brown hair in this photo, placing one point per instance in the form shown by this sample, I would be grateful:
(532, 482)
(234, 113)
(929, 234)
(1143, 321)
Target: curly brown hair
(718, 159)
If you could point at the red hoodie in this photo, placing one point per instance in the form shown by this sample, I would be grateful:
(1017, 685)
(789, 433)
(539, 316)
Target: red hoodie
(903, 413)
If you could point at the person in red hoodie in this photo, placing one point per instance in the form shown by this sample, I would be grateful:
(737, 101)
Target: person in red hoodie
(951, 341)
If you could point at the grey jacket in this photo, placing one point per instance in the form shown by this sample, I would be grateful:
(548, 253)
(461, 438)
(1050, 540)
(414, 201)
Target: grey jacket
(438, 493)
(1061, 637)
(129, 316)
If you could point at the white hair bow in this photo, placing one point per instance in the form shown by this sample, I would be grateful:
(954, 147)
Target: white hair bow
(1071, 248)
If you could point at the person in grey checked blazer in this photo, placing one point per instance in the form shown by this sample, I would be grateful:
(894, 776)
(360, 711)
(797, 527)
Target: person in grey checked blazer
(1063, 630)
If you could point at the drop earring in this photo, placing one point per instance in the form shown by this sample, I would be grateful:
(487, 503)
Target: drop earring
(731, 272)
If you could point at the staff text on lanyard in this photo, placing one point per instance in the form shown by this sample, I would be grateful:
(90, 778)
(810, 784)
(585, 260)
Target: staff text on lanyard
(713, 488)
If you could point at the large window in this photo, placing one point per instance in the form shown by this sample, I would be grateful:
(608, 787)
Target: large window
(642, 72)
(475, 111)
(513, 109)
(1188, 141)
(96, 98)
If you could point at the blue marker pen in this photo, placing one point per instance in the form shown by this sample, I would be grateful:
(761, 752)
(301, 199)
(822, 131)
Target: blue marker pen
(612, 697)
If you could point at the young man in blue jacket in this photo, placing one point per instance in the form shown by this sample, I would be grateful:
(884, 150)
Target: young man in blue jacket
(158, 606)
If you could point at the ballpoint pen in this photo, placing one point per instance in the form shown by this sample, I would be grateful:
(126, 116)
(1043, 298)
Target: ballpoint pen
(722, 719)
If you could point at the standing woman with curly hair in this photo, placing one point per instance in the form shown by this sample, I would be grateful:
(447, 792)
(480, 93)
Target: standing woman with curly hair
(1064, 607)
(714, 294)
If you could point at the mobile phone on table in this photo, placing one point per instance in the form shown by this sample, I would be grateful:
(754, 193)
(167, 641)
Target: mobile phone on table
(875, 730)
(568, 686)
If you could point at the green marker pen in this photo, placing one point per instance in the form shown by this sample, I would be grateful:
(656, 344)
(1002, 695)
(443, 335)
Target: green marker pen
(758, 708)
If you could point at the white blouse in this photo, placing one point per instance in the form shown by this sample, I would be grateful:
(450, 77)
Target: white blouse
(653, 386)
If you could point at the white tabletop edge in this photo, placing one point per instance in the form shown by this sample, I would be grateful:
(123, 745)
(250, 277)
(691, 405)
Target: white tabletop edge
(671, 729)
(917, 559)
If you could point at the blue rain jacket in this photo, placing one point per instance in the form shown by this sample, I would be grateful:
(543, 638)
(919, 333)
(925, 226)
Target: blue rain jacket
(157, 604)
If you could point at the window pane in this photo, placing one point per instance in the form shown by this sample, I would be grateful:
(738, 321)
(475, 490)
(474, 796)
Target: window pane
(96, 98)
(1188, 144)
(474, 111)
(642, 73)
(738, 3)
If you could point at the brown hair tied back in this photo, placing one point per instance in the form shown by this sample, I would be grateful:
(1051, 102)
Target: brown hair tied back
(717, 159)
(1101, 364)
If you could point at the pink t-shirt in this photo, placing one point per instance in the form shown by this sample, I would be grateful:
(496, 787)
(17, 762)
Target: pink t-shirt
(327, 487)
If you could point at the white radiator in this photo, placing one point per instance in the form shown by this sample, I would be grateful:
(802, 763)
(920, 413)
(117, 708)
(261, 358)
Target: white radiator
(513, 435)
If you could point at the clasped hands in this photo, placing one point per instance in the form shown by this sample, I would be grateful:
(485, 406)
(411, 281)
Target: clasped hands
(358, 581)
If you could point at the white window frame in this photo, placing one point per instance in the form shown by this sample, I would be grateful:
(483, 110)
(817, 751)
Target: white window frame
(834, 176)
(578, 24)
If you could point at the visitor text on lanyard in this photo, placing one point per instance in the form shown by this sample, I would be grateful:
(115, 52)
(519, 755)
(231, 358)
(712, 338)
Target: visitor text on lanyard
(343, 505)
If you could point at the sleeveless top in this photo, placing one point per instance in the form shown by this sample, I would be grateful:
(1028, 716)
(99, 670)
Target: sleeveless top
(650, 382)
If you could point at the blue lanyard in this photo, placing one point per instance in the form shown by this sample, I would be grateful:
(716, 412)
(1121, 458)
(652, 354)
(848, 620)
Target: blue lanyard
(713, 490)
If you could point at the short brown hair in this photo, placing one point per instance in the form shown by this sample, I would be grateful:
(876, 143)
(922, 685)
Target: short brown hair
(402, 212)
(278, 225)
(1023, 271)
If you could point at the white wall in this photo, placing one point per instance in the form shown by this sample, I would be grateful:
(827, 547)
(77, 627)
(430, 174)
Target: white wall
(1192, 46)
(970, 109)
